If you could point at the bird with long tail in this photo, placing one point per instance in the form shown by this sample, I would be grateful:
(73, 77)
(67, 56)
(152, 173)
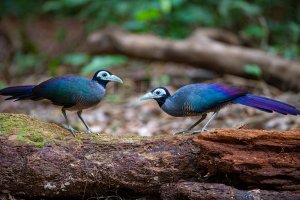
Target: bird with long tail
(200, 99)
(72, 93)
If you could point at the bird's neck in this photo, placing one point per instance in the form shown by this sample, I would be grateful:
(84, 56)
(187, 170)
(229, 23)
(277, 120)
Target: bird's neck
(103, 83)
(171, 108)
(161, 101)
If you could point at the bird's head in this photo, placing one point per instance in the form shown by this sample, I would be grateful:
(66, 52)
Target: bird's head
(104, 76)
(159, 94)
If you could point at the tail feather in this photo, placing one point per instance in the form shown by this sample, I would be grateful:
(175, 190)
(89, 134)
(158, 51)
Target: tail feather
(18, 92)
(266, 104)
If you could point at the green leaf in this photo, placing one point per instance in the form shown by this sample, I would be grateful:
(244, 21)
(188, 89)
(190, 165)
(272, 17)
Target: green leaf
(196, 14)
(253, 70)
(165, 80)
(103, 62)
(165, 5)
(147, 15)
(247, 8)
(76, 59)
(254, 31)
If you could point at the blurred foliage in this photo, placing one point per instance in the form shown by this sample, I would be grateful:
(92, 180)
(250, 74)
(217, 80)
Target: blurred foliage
(2, 85)
(28, 62)
(103, 62)
(114, 98)
(274, 25)
(253, 70)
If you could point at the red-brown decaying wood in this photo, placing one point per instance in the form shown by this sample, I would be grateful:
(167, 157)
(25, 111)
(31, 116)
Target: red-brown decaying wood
(88, 165)
(265, 159)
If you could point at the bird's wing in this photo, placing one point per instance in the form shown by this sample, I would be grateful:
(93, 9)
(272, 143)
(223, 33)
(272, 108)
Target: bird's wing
(201, 98)
(63, 91)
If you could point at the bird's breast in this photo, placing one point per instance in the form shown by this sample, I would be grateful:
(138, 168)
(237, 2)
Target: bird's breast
(179, 109)
(86, 100)
(83, 102)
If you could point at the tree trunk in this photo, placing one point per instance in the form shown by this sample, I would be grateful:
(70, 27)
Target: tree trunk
(204, 48)
(42, 160)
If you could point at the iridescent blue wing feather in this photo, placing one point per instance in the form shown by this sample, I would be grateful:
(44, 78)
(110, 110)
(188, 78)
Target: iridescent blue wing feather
(200, 98)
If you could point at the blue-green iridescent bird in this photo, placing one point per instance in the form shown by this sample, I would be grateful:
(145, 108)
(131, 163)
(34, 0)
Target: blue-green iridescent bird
(73, 93)
(200, 99)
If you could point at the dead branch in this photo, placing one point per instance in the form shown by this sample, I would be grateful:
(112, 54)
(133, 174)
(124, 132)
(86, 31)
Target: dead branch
(204, 49)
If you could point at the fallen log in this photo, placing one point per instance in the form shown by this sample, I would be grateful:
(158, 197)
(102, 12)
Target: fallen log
(43, 160)
(213, 191)
(204, 48)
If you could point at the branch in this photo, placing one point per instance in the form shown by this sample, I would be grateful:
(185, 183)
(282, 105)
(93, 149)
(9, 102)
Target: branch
(200, 49)
(42, 160)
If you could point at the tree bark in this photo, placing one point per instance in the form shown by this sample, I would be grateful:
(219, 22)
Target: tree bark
(90, 165)
(213, 191)
(205, 48)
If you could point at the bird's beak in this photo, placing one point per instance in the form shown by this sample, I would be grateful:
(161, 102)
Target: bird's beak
(114, 78)
(148, 95)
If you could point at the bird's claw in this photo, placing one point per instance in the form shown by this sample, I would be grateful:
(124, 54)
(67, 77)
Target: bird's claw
(89, 131)
(72, 130)
(182, 132)
(199, 131)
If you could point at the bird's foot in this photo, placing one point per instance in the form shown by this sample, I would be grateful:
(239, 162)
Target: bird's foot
(182, 132)
(72, 130)
(91, 132)
(200, 131)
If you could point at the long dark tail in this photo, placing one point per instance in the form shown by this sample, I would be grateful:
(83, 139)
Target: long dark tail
(266, 104)
(18, 92)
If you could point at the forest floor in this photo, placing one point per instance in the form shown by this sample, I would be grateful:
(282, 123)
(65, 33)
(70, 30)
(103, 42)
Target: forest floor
(122, 113)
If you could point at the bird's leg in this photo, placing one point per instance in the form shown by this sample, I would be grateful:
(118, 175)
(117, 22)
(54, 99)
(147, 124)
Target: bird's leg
(205, 126)
(85, 124)
(191, 127)
(69, 127)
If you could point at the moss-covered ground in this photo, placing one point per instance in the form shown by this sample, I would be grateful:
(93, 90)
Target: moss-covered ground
(25, 129)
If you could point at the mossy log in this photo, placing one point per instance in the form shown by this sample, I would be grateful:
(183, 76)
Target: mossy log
(212, 49)
(43, 160)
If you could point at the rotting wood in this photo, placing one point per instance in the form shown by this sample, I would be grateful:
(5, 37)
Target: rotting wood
(68, 167)
(213, 191)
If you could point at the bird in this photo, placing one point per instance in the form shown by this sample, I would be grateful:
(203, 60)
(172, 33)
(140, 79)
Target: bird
(72, 93)
(200, 99)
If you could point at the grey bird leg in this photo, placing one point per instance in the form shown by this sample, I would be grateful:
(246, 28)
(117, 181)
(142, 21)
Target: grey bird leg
(205, 126)
(191, 127)
(85, 124)
(69, 127)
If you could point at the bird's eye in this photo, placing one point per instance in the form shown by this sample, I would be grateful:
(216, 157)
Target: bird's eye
(104, 74)
(157, 92)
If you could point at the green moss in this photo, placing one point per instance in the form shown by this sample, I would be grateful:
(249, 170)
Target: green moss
(25, 129)
(35, 139)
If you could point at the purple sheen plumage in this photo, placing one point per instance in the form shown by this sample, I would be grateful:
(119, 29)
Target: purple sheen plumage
(266, 104)
(228, 90)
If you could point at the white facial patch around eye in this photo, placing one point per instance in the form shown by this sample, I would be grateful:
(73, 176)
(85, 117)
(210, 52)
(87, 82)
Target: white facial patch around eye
(160, 92)
(102, 74)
